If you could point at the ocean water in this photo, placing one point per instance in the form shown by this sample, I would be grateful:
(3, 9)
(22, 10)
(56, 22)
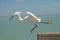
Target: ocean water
(17, 30)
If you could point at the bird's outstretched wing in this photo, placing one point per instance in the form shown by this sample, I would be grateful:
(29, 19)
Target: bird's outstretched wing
(33, 28)
(36, 19)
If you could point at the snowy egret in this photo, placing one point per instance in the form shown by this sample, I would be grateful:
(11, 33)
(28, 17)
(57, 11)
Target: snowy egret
(31, 18)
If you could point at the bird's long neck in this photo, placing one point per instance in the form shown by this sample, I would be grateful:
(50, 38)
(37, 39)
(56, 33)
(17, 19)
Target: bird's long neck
(20, 18)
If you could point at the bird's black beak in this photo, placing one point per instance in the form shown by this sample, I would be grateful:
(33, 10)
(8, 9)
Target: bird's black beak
(11, 17)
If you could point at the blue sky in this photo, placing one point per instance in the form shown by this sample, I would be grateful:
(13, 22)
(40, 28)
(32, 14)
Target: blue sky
(38, 7)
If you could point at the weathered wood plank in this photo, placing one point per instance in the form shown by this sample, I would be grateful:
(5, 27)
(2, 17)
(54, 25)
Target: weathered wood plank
(48, 36)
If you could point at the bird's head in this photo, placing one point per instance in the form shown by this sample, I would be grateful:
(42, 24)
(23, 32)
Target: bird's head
(15, 14)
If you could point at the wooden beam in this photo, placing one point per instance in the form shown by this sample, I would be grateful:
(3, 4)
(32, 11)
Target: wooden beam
(48, 36)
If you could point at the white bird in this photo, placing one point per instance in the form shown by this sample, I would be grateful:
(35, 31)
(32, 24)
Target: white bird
(31, 18)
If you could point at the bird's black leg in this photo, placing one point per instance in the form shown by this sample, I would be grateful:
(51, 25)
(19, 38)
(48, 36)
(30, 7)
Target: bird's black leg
(48, 22)
(33, 27)
(43, 22)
